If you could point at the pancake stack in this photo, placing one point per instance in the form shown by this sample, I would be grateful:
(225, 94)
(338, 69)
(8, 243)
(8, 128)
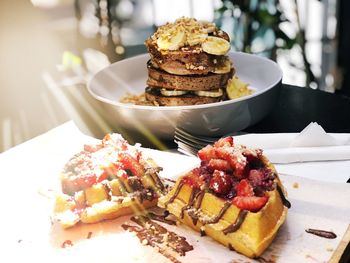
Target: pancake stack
(189, 64)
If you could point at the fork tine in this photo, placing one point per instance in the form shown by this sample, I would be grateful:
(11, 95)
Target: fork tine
(202, 139)
(193, 142)
(187, 143)
(184, 148)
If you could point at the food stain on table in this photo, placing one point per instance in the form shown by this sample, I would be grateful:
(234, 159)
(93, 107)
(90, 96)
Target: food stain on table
(150, 233)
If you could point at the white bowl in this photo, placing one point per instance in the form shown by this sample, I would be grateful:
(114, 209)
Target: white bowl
(214, 119)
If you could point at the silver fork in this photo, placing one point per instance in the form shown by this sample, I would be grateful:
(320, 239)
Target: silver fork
(190, 144)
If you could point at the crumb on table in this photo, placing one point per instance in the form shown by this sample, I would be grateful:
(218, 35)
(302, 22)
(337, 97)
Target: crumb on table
(295, 185)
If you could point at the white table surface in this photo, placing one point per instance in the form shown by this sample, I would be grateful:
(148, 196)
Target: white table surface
(30, 170)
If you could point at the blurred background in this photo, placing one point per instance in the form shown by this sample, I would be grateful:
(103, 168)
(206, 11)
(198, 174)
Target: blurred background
(49, 49)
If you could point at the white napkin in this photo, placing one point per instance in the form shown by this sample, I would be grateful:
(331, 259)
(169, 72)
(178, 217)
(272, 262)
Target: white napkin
(311, 144)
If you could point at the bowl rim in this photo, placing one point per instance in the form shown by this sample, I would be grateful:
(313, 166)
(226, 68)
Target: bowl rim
(187, 107)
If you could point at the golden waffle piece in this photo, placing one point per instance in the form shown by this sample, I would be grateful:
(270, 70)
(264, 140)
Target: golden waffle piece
(235, 197)
(105, 181)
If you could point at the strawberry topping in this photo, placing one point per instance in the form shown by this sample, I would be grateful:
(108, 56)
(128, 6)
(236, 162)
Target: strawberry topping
(220, 183)
(250, 203)
(129, 163)
(207, 153)
(193, 179)
(244, 188)
(235, 173)
(219, 164)
(227, 141)
(236, 160)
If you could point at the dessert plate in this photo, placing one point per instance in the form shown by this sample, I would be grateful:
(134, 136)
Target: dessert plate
(215, 119)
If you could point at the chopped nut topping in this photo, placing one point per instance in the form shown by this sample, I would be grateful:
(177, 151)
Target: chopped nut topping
(196, 31)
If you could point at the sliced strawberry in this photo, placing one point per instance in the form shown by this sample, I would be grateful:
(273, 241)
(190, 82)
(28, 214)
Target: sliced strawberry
(131, 164)
(250, 203)
(220, 183)
(207, 153)
(74, 184)
(113, 170)
(92, 148)
(219, 164)
(227, 141)
(244, 188)
(193, 179)
(236, 160)
(116, 141)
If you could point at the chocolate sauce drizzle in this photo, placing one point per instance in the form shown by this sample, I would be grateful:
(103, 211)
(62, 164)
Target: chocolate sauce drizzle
(285, 202)
(237, 224)
(321, 233)
(156, 180)
(190, 202)
(161, 218)
(194, 216)
(177, 191)
(195, 201)
(199, 198)
(67, 243)
(155, 235)
(219, 215)
(108, 191)
(122, 187)
(230, 247)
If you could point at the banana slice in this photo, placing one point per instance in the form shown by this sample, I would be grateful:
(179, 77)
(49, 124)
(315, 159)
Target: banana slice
(216, 46)
(207, 26)
(170, 93)
(172, 40)
(236, 88)
(196, 38)
(212, 94)
(225, 68)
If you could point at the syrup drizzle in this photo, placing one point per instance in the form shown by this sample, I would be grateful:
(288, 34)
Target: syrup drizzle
(152, 234)
(161, 218)
(108, 191)
(321, 233)
(190, 202)
(219, 215)
(197, 198)
(237, 224)
(156, 180)
(177, 191)
(285, 202)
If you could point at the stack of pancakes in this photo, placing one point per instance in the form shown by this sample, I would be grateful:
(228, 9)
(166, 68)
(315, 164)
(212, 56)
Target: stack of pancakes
(188, 65)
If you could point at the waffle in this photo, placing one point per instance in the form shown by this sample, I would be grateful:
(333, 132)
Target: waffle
(234, 196)
(105, 181)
